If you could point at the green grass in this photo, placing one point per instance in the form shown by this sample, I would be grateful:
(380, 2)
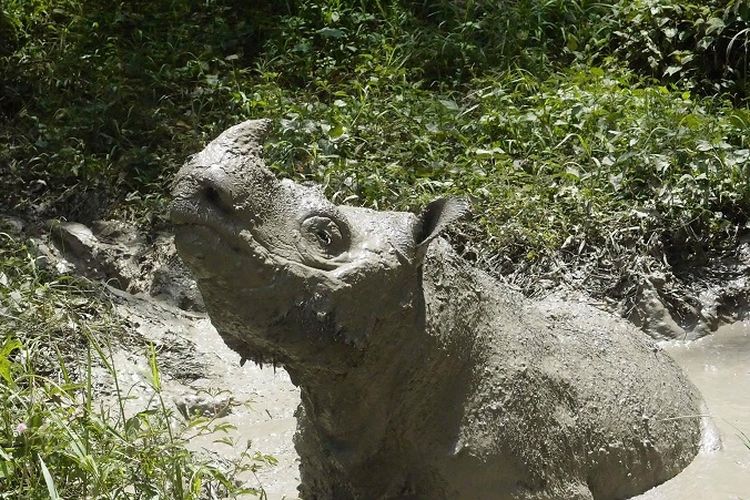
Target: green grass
(58, 439)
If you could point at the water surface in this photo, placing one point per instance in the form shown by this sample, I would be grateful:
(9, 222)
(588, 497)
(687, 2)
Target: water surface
(720, 366)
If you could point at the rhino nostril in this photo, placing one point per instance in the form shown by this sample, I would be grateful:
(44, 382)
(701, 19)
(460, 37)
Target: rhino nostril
(218, 197)
(212, 195)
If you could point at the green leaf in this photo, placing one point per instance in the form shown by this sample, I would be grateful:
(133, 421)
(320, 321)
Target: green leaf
(450, 104)
(51, 489)
(715, 25)
(572, 43)
(154, 367)
(331, 33)
(7, 467)
(336, 132)
(690, 121)
(9, 346)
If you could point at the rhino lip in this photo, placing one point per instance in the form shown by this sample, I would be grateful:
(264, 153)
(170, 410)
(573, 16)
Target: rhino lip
(220, 232)
(219, 236)
(199, 243)
(184, 222)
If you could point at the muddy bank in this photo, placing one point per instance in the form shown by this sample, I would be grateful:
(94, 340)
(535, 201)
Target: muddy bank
(158, 305)
(666, 303)
(201, 374)
(153, 294)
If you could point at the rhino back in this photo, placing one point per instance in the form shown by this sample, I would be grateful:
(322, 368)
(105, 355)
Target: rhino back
(559, 392)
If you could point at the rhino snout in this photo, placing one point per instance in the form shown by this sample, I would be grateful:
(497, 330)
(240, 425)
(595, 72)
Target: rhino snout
(205, 196)
(215, 190)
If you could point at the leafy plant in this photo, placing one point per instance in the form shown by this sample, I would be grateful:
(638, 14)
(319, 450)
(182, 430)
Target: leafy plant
(588, 133)
(699, 44)
(57, 437)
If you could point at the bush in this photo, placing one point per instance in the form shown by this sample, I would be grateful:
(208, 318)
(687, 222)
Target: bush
(389, 103)
(102, 99)
(703, 45)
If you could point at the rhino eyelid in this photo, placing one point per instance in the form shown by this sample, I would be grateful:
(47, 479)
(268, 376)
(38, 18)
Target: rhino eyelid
(327, 230)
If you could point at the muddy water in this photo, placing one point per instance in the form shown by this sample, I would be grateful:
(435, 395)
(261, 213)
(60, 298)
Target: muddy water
(720, 366)
(265, 416)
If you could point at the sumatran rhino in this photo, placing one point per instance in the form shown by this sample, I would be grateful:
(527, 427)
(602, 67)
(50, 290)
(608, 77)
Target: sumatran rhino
(420, 376)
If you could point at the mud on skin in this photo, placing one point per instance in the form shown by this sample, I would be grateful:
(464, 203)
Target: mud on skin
(420, 376)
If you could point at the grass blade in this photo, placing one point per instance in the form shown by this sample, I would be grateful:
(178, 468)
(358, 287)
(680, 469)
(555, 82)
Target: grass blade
(51, 489)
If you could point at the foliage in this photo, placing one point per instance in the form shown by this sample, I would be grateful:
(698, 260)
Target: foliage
(55, 442)
(700, 44)
(527, 108)
(102, 98)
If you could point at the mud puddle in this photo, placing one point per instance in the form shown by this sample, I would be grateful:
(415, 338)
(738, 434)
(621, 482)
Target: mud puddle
(265, 416)
(265, 400)
(720, 366)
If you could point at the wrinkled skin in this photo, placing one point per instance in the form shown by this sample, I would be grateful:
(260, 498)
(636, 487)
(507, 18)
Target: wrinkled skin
(420, 376)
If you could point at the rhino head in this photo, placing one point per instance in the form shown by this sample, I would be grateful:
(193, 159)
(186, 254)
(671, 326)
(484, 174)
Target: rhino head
(287, 276)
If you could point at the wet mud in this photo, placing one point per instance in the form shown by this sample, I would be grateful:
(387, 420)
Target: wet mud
(719, 365)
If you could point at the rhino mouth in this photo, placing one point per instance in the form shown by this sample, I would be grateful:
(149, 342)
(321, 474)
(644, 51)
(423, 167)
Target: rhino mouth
(205, 228)
(210, 250)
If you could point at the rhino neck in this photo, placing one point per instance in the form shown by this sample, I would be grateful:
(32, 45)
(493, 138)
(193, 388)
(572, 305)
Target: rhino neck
(412, 378)
(345, 405)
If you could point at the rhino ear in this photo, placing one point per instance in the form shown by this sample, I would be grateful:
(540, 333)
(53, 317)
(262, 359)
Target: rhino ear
(436, 217)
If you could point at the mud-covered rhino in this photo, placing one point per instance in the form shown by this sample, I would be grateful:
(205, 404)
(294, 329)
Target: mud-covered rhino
(420, 376)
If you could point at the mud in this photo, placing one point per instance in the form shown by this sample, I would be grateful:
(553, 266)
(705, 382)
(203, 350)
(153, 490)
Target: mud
(199, 373)
(266, 401)
(263, 401)
(719, 366)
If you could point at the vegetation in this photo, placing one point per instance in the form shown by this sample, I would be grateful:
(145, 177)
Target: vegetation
(55, 440)
(564, 121)
(598, 141)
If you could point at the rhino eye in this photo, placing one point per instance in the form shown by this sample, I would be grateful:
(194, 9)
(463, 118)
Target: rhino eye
(324, 237)
(326, 233)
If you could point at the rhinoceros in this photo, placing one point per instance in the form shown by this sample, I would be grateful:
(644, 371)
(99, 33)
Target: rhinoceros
(420, 375)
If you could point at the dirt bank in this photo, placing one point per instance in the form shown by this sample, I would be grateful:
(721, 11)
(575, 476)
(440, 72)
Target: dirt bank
(155, 296)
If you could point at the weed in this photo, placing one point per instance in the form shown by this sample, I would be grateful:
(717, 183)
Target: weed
(58, 438)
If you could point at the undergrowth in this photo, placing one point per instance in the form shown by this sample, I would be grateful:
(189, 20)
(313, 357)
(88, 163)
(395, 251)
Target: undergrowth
(586, 133)
(60, 437)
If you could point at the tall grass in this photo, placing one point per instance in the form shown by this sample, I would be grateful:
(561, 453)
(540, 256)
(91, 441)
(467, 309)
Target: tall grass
(62, 433)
